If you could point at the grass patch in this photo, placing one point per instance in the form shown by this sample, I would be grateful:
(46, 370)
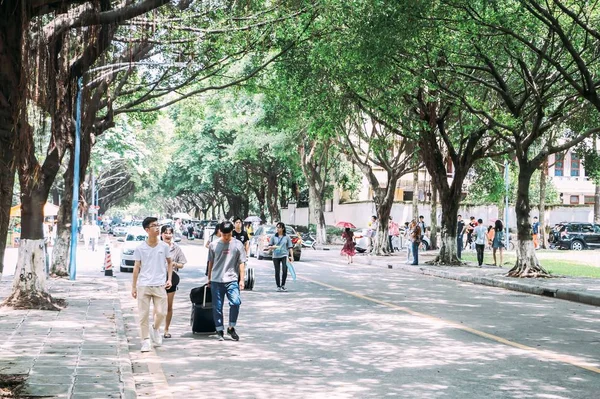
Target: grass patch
(555, 267)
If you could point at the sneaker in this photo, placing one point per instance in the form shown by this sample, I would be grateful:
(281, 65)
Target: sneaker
(283, 288)
(146, 346)
(231, 332)
(278, 289)
(220, 335)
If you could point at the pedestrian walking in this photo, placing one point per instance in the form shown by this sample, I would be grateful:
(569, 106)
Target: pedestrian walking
(95, 234)
(415, 237)
(178, 260)
(393, 231)
(210, 239)
(498, 243)
(349, 248)
(226, 268)
(374, 226)
(282, 248)
(480, 238)
(535, 229)
(470, 228)
(241, 235)
(149, 276)
(460, 232)
(86, 232)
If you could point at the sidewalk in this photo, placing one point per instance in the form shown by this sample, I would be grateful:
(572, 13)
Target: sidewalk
(576, 289)
(79, 352)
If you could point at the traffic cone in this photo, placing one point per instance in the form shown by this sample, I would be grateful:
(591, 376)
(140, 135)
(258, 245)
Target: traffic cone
(108, 271)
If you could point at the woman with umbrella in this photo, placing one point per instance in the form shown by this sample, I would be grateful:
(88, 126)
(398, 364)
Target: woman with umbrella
(349, 248)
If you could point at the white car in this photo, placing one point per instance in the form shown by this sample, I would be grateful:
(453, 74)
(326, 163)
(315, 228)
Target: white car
(133, 238)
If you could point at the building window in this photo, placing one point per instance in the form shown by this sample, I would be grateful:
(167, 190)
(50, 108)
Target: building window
(408, 196)
(559, 164)
(574, 199)
(575, 163)
(589, 199)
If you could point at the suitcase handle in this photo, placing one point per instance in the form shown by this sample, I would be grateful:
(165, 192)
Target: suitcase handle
(204, 300)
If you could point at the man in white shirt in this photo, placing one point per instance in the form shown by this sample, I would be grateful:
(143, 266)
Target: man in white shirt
(480, 237)
(152, 267)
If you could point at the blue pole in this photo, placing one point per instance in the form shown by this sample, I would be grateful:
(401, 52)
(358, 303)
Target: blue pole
(506, 211)
(75, 202)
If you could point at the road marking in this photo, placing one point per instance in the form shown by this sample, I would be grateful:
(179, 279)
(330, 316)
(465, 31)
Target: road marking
(546, 354)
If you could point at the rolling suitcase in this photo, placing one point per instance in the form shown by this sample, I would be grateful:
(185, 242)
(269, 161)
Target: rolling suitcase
(201, 319)
(249, 279)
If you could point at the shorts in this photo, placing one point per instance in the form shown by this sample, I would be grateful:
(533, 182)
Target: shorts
(174, 283)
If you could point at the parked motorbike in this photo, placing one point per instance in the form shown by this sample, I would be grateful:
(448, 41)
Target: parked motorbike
(308, 241)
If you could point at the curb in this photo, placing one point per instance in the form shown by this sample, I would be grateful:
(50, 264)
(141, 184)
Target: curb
(552, 292)
(125, 365)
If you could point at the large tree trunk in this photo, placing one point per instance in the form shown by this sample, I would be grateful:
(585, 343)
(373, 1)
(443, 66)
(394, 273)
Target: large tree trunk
(384, 201)
(542, 207)
(272, 195)
(415, 200)
(12, 25)
(448, 252)
(316, 208)
(7, 183)
(527, 264)
(29, 285)
(433, 216)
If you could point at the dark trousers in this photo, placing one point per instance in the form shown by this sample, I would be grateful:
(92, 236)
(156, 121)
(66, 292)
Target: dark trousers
(469, 239)
(459, 246)
(280, 263)
(415, 249)
(391, 246)
(480, 248)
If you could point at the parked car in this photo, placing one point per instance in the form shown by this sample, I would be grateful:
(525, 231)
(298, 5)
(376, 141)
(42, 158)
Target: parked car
(576, 235)
(132, 239)
(362, 241)
(119, 230)
(263, 235)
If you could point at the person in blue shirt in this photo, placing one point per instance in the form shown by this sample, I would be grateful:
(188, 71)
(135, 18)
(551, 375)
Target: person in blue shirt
(535, 227)
(282, 247)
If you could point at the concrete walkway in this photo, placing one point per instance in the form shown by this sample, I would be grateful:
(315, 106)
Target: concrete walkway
(79, 352)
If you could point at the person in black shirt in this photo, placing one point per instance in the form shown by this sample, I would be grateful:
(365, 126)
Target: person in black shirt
(460, 231)
(240, 234)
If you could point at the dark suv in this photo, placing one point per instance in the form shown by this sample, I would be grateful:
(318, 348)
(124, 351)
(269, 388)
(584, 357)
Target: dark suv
(576, 235)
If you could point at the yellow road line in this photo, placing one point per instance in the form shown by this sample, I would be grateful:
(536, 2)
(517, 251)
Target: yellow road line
(549, 355)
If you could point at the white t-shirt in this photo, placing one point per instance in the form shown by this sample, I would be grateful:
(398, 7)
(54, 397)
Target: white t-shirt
(153, 271)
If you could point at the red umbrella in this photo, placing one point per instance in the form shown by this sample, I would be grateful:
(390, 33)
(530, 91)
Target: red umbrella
(345, 225)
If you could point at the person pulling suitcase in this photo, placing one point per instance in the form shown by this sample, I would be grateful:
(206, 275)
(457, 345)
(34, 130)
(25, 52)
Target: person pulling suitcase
(226, 267)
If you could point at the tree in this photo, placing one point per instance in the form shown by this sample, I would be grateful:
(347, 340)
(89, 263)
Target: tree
(54, 94)
(533, 106)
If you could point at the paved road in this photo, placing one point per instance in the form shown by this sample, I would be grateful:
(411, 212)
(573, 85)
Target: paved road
(347, 331)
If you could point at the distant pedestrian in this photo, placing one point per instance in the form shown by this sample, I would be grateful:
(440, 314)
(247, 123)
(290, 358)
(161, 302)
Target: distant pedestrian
(480, 237)
(460, 232)
(178, 260)
(373, 227)
(470, 228)
(349, 246)
(407, 236)
(498, 243)
(282, 247)
(241, 235)
(535, 229)
(149, 276)
(226, 273)
(393, 232)
(415, 237)
(95, 235)
(86, 232)
(216, 234)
